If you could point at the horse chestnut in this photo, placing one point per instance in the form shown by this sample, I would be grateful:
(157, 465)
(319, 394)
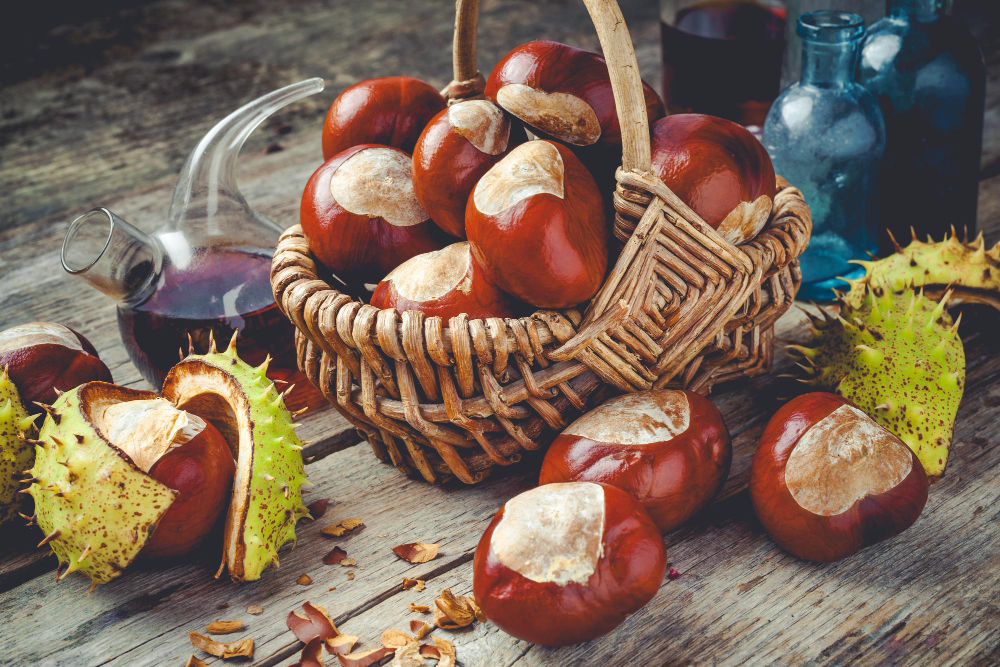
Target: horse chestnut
(43, 358)
(456, 148)
(361, 215)
(536, 225)
(389, 110)
(566, 563)
(718, 169)
(668, 448)
(827, 480)
(183, 452)
(445, 283)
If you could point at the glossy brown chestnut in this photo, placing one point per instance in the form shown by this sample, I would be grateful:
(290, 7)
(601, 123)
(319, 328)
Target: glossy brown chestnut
(361, 215)
(827, 480)
(668, 448)
(566, 563)
(43, 358)
(718, 169)
(536, 226)
(445, 283)
(562, 92)
(182, 451)
(389, 110)
(456, 148)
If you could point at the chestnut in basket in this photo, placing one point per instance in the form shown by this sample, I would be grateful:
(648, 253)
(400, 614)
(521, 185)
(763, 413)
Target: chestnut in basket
(456, 148)
(536, 225)
(389, 110)
(669, 448)
(566, 563)
(718, 169)
(361, 216)
(182, 451)
(827, 480)
(444, 282)
(44, 358)
(562, 92)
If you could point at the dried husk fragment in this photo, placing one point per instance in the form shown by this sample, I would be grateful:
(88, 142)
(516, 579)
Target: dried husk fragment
(417, 584)
(456, 611)
(195, 661)
(365, 658)
(419, 608)
(420, 629)
(314, 623)
(225, 650)
(223, 627)
(408, 655)
(342, 527)
(335, 556)
(304, 579)
(429, 651)
(341, 644)
(312, 655)
(394, 638)
(447, 650)
(255, 610)
(349, 562)
(416, 552)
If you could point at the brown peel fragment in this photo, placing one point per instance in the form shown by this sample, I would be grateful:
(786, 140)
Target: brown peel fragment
(194, 661)
(335, 556)
(255, 610)
(429, 651)
(341, 644)
(315, 623)
(420, 608)
(312, 655)
(342, 527)
(364, 658)
(317, 508)
(224, 650)
(350, 576)
(304, 580)
(417, 584)
(447, 651)
(420, 629)
(223, 627)
(416, 552)
(455, 611)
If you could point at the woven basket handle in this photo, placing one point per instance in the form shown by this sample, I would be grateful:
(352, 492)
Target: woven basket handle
(622, 67)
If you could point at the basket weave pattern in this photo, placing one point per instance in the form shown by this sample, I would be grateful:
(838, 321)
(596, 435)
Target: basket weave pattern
(681, 307)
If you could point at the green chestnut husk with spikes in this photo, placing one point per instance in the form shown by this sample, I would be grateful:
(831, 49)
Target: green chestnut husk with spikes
(898, 357)
(16, 451)
(969, 269)
(98, 509)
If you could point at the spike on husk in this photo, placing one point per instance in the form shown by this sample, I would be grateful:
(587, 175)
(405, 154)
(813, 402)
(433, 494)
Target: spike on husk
(903, 365)
(17, 452)
(970, 267)
(253, 417)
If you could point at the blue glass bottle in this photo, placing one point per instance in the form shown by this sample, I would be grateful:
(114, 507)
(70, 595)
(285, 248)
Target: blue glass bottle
(927, 73)
(826, 135)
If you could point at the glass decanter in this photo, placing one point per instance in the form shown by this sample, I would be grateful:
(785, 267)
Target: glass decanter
(927, 72)
(826, 135)
(205, 272)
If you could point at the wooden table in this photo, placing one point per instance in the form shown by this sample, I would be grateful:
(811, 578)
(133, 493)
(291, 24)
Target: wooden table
(104, 111)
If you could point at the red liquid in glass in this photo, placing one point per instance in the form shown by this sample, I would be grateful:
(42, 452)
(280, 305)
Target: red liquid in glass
(222, 291)
(723, 57)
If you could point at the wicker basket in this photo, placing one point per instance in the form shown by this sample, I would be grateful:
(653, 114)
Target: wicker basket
(681, 307)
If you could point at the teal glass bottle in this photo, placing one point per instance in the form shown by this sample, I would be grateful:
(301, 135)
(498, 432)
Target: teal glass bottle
(826, 135)
(927, 72)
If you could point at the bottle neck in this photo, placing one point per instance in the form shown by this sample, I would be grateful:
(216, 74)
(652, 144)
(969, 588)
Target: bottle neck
(828, 65)
(112, 256)
(919, 10)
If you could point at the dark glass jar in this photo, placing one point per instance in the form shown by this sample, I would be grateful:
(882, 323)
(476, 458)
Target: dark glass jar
(928, 75)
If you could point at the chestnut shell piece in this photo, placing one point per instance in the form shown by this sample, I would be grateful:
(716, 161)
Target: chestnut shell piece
(673, 478)
(388, 110)
(812, 536)
(627, 575)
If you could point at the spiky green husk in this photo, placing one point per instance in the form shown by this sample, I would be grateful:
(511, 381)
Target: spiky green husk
(898, 357)
(16, 452)
(973, 268)
(267, 498)
(94, 505)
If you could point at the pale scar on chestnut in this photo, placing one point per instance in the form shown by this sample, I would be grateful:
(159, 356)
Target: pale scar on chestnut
(552, 533)
(562, 115)
(377, 182)
(482, 123)
(636, 419)
(746, 220)
(533, 168)
(843, 458)
(38, 333)
(433, 274)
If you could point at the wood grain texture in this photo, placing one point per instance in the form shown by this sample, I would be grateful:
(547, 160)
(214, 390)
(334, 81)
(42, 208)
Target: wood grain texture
(111, 120)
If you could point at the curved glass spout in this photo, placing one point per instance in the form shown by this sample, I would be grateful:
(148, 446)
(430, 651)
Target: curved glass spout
(206, 189)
